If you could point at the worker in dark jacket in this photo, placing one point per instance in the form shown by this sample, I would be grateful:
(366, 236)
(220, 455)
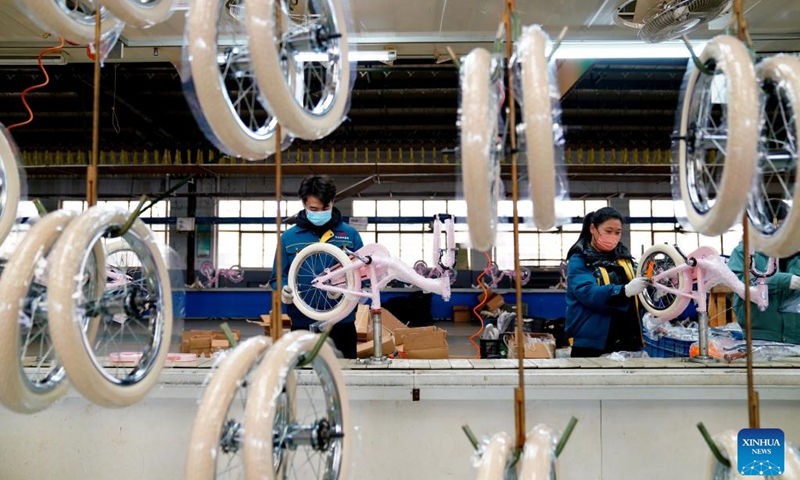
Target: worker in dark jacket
(319, 221)
(602, 308)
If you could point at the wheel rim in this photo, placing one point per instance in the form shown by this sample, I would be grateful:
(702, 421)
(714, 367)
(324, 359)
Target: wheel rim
(35, 346)
(777, 161)
(311, 266)
(310, 44)
(309, 442)
(82, 12)
(654, 264)
(128, 316)
(707, 138)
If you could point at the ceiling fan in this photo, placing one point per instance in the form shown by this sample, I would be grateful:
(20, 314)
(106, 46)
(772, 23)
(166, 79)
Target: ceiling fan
(662, 20)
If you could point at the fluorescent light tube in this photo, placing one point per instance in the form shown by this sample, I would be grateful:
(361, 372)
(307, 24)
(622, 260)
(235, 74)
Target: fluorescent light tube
(606, 49)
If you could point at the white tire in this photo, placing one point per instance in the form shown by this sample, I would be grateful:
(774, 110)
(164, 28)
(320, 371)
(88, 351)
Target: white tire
(538, 459)
(494, 460)
(537, 114)
(784, 72)
(20, 392)
(268, 65)
(684, 283)
(10, 187)
(742, 134)
(271, 380)
(478, 130)
(300, 292)
(84, 368)
(140, 14)
(57, 18)
(228, 130)
(204, 448)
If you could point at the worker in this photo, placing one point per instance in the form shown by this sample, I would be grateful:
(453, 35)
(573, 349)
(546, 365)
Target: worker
(602, 306)
(319, 221)
(773, 324)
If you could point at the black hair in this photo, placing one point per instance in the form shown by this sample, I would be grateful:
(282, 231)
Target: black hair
(320, 186)
(595, 218)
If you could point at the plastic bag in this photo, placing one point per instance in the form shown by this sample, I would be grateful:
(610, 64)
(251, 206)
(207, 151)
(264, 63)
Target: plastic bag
(622, 356)
(791, 304)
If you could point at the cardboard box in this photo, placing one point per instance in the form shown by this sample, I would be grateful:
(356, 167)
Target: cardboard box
(202, 341)
(494, 302)
(423, 342)
(366, 349)
(543, 346)
(461, 314)
(286, 323)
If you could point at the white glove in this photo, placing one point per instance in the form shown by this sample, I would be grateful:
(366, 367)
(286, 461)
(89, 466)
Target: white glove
(794, 283)
(286, 295)
(636, 286)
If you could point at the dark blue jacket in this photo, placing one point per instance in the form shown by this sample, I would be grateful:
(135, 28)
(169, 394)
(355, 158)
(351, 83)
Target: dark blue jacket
(591, 304)
(297, 238)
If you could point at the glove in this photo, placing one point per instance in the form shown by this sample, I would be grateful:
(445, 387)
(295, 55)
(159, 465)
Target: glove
(794, 283)
(286, 295)
(636, 286)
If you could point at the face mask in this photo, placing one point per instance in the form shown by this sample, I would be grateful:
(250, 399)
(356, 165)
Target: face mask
(606, 242)
(319, 218)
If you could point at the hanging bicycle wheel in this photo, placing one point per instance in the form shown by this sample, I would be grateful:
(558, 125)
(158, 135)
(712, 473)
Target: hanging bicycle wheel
(135, 316)
(9, 184)
(219, 81)
(317, 304)
(656, 260)
(717, 136)
(480, 166)
(74, 20)
(216, 448)
(538, 459)
(140, 13)
(308, 37)
(542, 136)
(306, 433)
(774, 220)
(23, 323)
(493, 461)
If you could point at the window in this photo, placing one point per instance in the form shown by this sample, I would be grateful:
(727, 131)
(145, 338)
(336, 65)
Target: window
(250, 245)
(159, 210)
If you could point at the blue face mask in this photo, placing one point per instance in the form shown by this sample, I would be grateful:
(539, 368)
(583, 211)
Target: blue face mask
(319, 218)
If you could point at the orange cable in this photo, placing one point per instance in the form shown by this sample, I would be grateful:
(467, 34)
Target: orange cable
(46, 81)
(477, 307)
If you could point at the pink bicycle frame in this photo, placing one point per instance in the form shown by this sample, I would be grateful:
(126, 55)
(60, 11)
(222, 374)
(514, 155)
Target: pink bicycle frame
(374, 263)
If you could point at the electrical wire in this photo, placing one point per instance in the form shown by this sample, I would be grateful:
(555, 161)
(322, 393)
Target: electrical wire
(476, 310)
(35, 87)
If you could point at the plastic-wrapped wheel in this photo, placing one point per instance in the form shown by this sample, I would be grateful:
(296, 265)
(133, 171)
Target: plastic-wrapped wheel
(480, 170)
(87, 329)
(23, 322)
(304, 440)
(494, 459)
(74, 21)
(140, 13)
(538, 458)
(10, 184)
(717, 137)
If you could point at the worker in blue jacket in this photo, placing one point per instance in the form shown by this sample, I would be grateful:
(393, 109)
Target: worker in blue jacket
(319, 221)
(602, 308)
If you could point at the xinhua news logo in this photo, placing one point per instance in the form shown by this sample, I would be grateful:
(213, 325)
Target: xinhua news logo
(760, 451)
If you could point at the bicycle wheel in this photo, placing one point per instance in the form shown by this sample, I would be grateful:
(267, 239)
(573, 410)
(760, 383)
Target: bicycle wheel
(656, 260)
(307, 36)
(421, 267)
(480, 169)
(776, 175)
(320, 305)
(72, 20)
(494, 458)
(538, 458)
(215, 448)
(308, 439)
(220, 85)
(717, 142)
(133, 317)
(140, 13)
(542, 130)
(9, 184)
(727, 443)
(23, 323)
